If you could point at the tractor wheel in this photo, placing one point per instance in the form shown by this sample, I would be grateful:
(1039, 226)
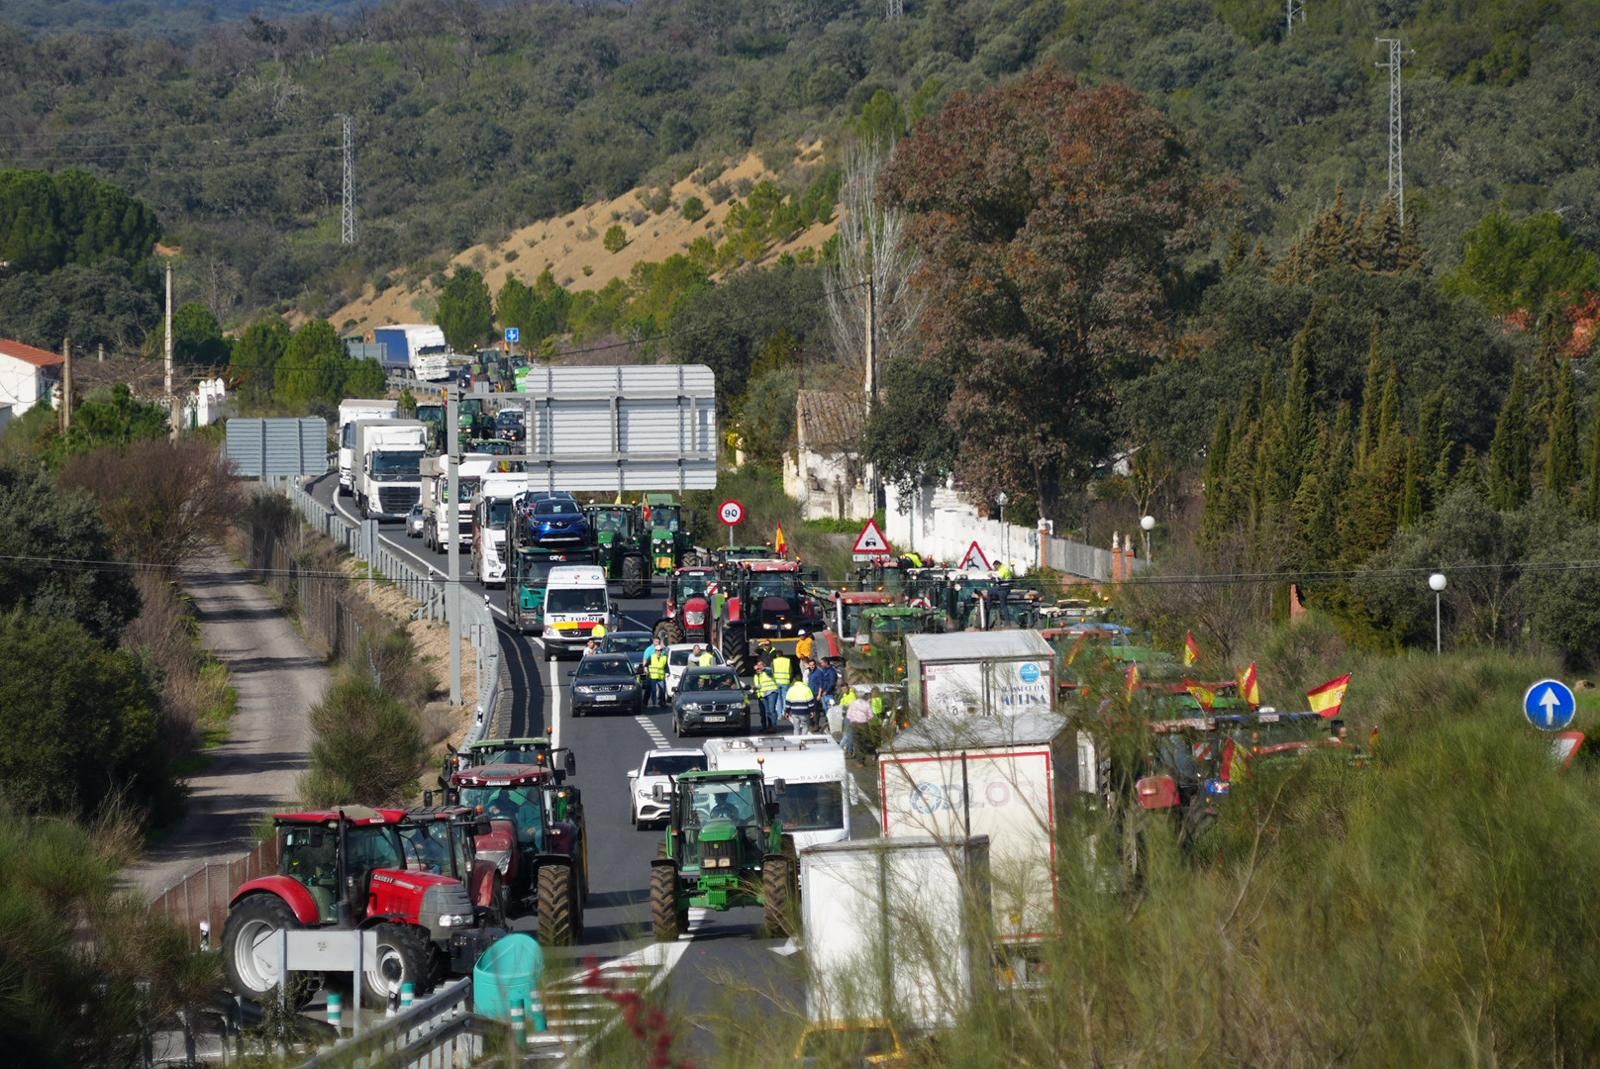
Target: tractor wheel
(779, 897)
(559, 921)
(735, 650)
(403, 958)
(635, 583)
(250, 945)
(669, 633)
(665, 917)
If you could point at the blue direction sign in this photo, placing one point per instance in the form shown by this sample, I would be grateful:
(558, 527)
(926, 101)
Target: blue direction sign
(513, 335)
(1549, 705)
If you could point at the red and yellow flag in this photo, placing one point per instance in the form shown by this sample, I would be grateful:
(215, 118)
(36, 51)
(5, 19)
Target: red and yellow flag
(1133, 679)
(780, 544)
(1326, 699)
(1250, 686)
(1191, 650)
(1204, 695)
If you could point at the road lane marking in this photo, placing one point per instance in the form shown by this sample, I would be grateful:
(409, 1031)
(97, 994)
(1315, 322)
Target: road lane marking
(651, 730)
(553, 667)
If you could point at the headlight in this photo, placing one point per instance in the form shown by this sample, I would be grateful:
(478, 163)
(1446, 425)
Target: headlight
(583, 690)
(694, 618)
(454, 920)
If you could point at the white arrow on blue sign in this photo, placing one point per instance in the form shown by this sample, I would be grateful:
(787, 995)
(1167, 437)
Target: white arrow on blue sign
(1549, 705)
(513, 335)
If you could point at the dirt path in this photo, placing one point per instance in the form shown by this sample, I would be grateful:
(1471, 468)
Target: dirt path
(278, 678)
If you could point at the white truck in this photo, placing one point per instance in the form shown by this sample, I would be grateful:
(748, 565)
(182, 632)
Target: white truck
(896, 929)
(414, 350)
(1007, 777)
(984, 673)
(815, 805)
(435, 475)
(575, 600)
(491, 514)
(349, 412)
(389, 452)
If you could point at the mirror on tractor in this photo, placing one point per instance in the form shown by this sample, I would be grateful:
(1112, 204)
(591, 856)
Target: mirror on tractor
(772, 811)
(778, 787)
(571, 764)
(443, 784)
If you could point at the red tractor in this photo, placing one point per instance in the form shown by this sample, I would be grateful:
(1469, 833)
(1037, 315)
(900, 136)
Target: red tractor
(761, 601)
(534, 839)
(687, 613)
(433, 910)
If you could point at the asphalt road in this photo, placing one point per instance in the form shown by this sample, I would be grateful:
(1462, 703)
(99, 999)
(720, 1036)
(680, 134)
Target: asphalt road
(722, 969)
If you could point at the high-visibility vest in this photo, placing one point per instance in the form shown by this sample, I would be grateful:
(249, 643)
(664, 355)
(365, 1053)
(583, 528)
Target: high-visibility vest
(658, 666)
(783, 669)
(877, 705)
(765, 684)
(848, 696)
(1004, 571)
(800, 693)
(599, 631)
(706, 659)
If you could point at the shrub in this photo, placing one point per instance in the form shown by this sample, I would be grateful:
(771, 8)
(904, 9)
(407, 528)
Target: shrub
(369, 747)
(694, 208)
(616, 238)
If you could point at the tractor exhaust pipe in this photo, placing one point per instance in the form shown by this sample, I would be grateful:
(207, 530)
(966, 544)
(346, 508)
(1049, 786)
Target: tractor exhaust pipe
(347, 918)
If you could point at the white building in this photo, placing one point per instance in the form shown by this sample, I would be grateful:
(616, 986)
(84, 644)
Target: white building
(207, 404)
(27, 375)
(825, 471)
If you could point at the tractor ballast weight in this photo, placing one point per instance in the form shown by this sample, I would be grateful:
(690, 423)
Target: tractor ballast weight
(724, 848)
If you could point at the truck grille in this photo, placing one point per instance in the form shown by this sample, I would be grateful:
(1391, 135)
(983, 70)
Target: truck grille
(397, 499)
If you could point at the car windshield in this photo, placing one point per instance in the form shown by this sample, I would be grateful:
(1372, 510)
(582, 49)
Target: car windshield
(620, 643)
(556, 508)
(499, 513)
(590, 667)
(520, 804)
(396, 463)
(509, 417)
(674, 764)
(712, 681)
(812, 806)
(772, 584)
(465, 490)
(580, 599)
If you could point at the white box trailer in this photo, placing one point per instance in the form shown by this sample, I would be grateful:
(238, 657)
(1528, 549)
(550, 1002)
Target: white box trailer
(815, 804)
(389, 453)
(491, 513)
(1009, 778)
(983, 673)
(351, 410)
(896, 929)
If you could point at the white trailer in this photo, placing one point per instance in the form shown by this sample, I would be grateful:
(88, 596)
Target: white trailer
(896, 929)
(390, 453)
(983, 673)
(414, 350)
(815, 804)
(1009, 778)
(435, 490)
(491, 514)
(349, 412)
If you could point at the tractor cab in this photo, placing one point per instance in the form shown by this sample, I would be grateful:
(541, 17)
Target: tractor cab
(668, 528)
(849, 607)
(687, 610)
(536, 751)
(439, 839)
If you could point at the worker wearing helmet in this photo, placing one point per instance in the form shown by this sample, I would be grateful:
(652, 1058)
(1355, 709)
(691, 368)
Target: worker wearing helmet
(803, 649)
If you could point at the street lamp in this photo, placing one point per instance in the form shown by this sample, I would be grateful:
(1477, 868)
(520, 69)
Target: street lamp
(1005, 541)
(1437, 583)
(1147, 524)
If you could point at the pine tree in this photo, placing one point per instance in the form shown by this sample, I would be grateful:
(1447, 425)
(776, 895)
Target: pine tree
(1237, 253)
(1214, 523)
(1387, 236)
(1510, 460)
(1432, 432)
(1241, 478)
(1561, 439)
(1389, 428)
(1300, 387)
(1469, 476)
(1411, 487)
(1409, 252)
(1367, 434)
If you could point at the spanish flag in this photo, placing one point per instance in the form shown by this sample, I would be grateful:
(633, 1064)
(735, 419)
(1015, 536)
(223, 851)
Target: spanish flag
(1206, 697)
(780, 544)
(1327, 698)
(1250, 686)
(1191, 650)
(1133, 679)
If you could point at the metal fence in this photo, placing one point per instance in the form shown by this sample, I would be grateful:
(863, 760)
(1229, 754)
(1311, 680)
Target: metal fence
(203, 894)
(439, 1032)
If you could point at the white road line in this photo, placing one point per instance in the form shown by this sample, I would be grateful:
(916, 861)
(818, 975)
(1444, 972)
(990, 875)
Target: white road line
(553, 667)
(651, 730)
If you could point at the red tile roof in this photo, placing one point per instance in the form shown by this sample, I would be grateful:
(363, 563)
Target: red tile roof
(28, 354)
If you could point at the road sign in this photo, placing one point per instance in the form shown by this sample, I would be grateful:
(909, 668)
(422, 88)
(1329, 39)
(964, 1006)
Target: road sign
(871, 544)
(731, 513)
(1549, 705)
(975, 559)
(513, 335)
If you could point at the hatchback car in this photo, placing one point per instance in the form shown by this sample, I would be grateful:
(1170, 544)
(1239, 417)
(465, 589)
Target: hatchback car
(605, 682)
(508, 424)
(660, 765)
(711, 699)
(414, 521)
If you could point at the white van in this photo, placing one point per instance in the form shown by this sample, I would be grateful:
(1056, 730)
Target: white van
(815, 804)
(575, 600)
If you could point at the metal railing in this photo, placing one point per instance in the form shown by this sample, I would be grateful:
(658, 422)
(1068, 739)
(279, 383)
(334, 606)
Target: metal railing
(438, 1032)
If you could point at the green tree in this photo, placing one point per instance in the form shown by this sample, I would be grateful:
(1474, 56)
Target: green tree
(767, 414)
(882, 121)
(616, 238)
(312, 367)
(909, 438)
(1591, 472)
(48, 537)
(464, 311)
(1511, 453)
(256, 354)
(1095, 183)
(1561, 462)
(93, 305)
(196, 337)
(1532, 265)
(48, 221)
(110, 417)
(363, 378)
(694, 209)
(368, 747)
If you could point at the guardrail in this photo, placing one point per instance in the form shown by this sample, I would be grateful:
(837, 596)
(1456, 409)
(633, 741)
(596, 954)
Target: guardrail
(439, 1032)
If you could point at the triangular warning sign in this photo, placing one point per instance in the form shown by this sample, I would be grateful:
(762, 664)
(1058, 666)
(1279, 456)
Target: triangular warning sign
(975, 559)
(871, 543)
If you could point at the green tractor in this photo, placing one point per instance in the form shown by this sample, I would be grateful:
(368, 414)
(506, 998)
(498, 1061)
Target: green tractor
(668, 525)
(473, 419)
(724, 848)
(620, 542)
(432, 414)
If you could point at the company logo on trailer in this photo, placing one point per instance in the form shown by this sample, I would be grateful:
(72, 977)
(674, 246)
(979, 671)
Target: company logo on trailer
(1029, 672)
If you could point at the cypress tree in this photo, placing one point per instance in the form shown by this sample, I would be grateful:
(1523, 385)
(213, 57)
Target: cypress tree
(1432, 431)
(1389, 428)
(1214, 522)
(1561, 438)
(1591, 474)
(1367, 433)
(1510, 477)
(1411, 488)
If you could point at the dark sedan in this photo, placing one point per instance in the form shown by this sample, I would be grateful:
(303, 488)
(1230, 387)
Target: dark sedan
(711, 699)
(605, 682)
(631, 644)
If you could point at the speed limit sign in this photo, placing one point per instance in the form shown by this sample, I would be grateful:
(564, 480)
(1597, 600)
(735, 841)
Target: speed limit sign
(731, 513)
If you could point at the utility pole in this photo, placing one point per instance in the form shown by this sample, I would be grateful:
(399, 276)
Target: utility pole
(894, 8)
(1397, 181)
(872, 376)
(347, 231)
(100, 353)
(66, 385)
(452, 594)
(172, 398)
(1296, 9)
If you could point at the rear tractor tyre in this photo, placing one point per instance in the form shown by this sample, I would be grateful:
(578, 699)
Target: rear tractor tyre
(403, 958)
(665, 918)
(635, 584)
(250, 945)
(668, 633)
(559, 920)
(736, 650)
(779, 897)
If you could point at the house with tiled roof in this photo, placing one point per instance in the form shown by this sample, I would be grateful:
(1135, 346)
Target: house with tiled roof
(825, 471)
(27, 375)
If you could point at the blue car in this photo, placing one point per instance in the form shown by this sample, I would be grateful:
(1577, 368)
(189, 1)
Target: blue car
(558, 521)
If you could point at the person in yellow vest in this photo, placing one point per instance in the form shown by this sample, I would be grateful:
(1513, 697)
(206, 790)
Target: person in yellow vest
(805, 647)
(800, 703)
(767, 695)
(599, 632)
(657, 669)
(783, 673)
(1005, 571)
(702, 657)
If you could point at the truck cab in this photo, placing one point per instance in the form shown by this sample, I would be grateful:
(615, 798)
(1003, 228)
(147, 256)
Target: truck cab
(349, 412)
(390, 453)
(576, 599)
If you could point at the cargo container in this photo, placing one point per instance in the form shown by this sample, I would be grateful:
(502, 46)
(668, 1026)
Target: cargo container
(982, 673)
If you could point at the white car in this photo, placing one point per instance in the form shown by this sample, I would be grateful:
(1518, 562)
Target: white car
(658, 767)
(678, 663)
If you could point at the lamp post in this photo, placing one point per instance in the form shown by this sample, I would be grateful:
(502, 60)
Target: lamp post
(1437, 583)
(1147, 524)
(1005, 541)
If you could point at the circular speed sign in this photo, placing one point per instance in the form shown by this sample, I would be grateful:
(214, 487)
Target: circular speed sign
(731, 513)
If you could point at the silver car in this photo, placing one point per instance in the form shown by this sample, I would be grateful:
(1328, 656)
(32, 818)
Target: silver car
(414, 521)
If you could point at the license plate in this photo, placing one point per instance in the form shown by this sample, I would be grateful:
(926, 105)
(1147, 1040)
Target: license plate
(714, 719)
(605, 697)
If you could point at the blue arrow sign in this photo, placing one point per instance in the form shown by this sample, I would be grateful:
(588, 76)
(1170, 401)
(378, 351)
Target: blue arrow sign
(513, 335)
(1549, 705)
